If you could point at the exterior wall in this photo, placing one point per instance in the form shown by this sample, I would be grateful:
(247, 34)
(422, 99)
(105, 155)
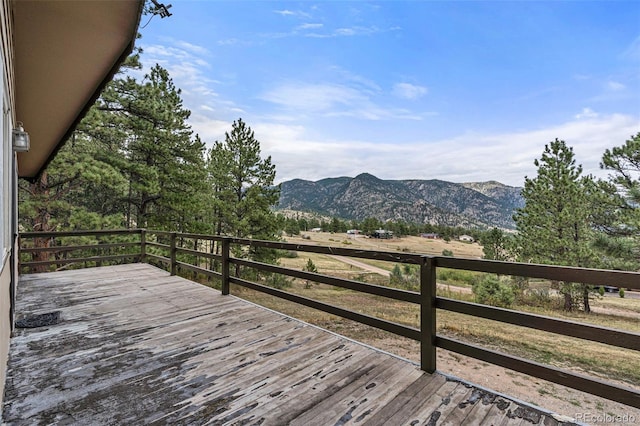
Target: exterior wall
(8, 214)
(5, 323)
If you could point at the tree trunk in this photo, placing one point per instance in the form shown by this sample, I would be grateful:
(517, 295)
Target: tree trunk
(568, 302)
(41, 224)
(585, 298)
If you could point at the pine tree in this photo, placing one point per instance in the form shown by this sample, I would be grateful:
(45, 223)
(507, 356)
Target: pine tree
(145, 136)
(554, 226)
(621, 221)
(71, 194)
(244, 190)
(495, 245)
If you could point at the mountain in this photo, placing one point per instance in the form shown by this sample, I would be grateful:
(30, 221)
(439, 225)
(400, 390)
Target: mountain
(474, 204)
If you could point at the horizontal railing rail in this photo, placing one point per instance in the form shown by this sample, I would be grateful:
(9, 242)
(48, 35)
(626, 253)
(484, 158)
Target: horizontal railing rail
(51, 252)
(210, 256)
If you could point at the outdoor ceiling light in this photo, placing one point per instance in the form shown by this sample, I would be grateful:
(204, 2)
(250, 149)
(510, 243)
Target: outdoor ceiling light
(20, 139)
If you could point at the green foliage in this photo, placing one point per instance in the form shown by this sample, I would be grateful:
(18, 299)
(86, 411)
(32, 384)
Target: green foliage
(409, 279)
(277, 281)
(142, 131)
(73, 193)
(601, 291)
(291, 226)
(491, 290)
(456, 276)
(243, 190)
(622, 223)
(289, 254)
(310, 266)
(241, 193)
(621, 292)
(370, 224)
(495, 245)
(555, 225)
(447, 253)
(135, 162)
(538, 297)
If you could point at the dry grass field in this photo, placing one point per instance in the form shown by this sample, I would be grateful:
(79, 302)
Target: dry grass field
(598, 360)
(408, 244)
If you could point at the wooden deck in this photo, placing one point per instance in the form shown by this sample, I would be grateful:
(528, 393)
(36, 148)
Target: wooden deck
(135, 345)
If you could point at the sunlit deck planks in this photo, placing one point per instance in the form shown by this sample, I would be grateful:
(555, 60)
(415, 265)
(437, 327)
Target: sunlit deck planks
(137, 346)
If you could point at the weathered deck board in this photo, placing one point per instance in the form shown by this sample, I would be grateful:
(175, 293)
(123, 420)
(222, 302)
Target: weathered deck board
(137, 346)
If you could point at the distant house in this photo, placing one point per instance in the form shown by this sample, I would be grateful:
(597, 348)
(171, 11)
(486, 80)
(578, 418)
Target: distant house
(382, 234)
(466, 238)
(353, 231)
(316, 229)
(430, 236)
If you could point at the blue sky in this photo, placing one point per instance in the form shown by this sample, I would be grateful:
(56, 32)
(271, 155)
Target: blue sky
(457, 90)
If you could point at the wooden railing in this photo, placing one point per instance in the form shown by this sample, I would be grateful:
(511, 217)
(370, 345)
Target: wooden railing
(211, 256)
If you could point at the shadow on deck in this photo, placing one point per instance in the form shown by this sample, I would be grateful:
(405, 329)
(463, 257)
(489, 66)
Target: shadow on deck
(135, 345)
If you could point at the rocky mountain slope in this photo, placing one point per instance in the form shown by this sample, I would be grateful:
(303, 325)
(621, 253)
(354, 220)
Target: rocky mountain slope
(484, 204)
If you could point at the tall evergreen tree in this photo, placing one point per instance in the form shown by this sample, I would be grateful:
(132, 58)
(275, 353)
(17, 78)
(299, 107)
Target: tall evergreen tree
(555, 225)
(243, 185)
(621, 221)
(71, 194)
(145, 135)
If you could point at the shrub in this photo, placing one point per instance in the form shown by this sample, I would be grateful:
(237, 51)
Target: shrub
(541, 298)
(289, 254)
(601, 291)
(490, 290)
(457, 276)
(277, 281)
(310, 266)
(621, 292)
(408, 280)
(447, 253)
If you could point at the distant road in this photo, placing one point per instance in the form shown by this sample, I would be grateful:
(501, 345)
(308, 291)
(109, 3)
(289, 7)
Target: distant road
(362, 265)
(459, 289)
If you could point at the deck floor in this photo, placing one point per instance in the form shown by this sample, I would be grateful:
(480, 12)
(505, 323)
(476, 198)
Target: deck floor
(135, 345)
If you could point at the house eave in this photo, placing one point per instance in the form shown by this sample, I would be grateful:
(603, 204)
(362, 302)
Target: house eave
(65, 52)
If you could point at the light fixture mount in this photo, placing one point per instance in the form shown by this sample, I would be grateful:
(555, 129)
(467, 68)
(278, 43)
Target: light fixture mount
(20, 139)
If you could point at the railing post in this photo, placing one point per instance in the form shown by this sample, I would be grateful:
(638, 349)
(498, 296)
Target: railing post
(143, 246)
(173, 250)
(226, 243)
(428, 314)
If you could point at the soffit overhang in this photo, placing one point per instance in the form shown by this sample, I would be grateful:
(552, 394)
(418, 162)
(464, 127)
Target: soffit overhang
(65, 52)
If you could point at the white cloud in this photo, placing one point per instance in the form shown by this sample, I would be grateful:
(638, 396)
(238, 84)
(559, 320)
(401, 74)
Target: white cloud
(188, 67)
(506, 157)
(192, 48)
(209, 129)
(615, 86)
(309, 26)
(409, 91)
(345, 31)
(335, 100)
(228, 42)
(296, 13)
(586, 113)
(312, 97)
